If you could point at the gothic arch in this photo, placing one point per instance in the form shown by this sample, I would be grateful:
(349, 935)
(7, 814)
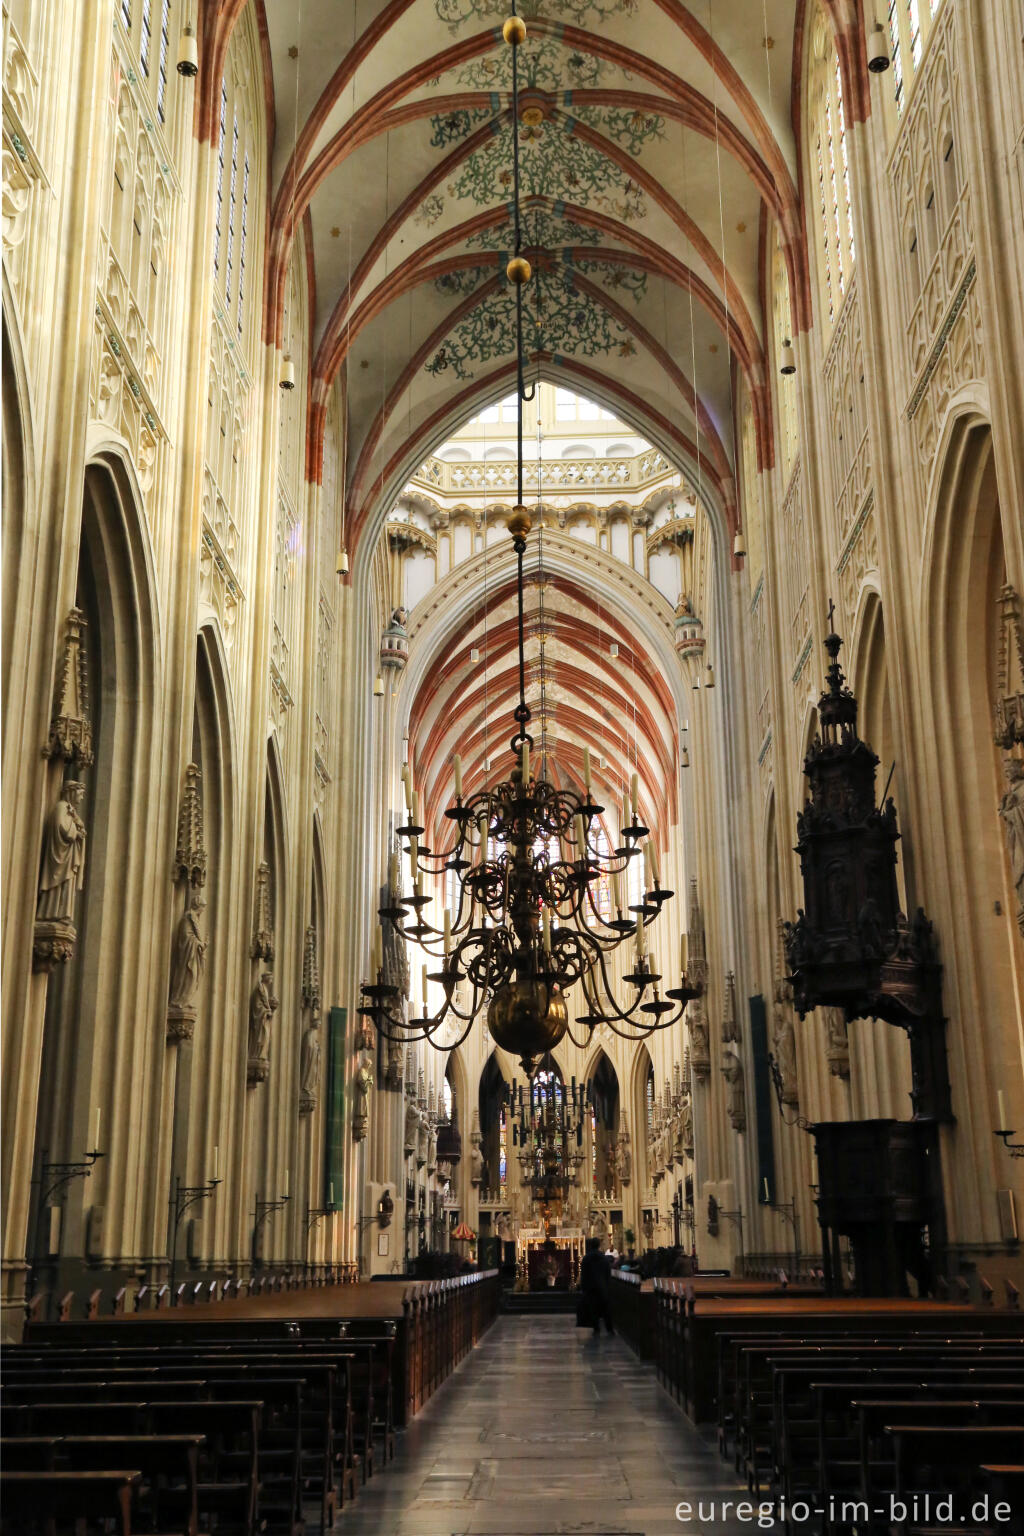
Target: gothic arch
(964, 570)
(643, 1068)
(19, 483)
(94, 1049)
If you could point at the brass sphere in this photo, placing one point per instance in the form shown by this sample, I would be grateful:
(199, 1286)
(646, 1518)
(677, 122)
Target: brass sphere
(520, 522)
(519, 270)
(514, 31)
(528, 1017)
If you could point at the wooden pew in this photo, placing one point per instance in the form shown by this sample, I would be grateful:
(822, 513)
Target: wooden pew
(53, 1501)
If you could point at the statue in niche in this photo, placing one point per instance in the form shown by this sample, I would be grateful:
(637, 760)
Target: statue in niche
(1011, 809)
(262, 1007)
(687, 1127)
(63, 863)
(700, 1045)
(476, 1164)
(784, 1051)
(188, 954)
(363, 1084)
(412, 1126)
(505, 1229)
(309, 1080)
(732, 1071)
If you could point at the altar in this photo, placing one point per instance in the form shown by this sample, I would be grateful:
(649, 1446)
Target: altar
(549, 1260)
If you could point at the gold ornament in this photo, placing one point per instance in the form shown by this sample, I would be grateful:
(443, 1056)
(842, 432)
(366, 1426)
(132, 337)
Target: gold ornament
(514, 31)
(519, 270)
(520, 522)
(528, 1017)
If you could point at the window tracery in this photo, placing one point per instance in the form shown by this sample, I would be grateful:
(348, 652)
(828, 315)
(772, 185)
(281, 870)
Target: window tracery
(910, 24)
(836, 245)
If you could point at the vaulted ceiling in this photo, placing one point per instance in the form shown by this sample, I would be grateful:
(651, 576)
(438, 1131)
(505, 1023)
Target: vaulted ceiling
(659, 142)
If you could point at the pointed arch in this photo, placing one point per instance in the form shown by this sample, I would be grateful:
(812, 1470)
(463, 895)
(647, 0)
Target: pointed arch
(641, 1086)
(19, 482)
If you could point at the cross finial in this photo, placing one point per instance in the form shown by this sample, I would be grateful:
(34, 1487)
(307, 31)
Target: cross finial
(831, 615)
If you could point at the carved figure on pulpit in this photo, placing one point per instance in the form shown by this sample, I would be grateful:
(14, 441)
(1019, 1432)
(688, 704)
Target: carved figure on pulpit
(63, 862)
(869, 927)
(188, 954)
(837, 1049)
(784, 1051)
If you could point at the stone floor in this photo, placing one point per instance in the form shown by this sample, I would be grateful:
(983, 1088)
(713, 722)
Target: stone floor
(543, 1430)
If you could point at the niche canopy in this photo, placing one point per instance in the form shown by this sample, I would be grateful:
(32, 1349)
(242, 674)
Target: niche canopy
(528, 924)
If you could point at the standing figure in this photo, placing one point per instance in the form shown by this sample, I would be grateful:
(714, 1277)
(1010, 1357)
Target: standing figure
(784, 1044)
(1011, 809)
(63, 862)
(262, 1007)
(188, 954)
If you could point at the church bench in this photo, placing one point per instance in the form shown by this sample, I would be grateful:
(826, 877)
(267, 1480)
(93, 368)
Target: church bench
(870, 1417)
(57, 1501)
(1004, 1484)
(28, 1453)
(934, 1459)
(168, 1464)
(795, 1424)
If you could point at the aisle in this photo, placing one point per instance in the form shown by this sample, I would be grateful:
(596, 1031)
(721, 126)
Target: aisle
(543, 1431)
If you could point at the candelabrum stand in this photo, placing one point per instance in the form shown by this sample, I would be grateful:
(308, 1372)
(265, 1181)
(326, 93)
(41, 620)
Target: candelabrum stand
(185, 1195)
(314, 1216)
(264, 1210)
(736, 1217)
(1015, 1148)
(54, 1178)
(788, 1213)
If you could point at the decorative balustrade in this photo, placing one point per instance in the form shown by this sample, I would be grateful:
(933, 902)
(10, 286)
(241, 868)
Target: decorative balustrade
(484, 478)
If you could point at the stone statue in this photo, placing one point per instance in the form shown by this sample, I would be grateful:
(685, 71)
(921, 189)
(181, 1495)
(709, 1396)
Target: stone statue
(700, 1045)
(476, 1164)
(687, 1132)
(63, 862)
(624, 1158)
(363, 1084)
(412, 1126)
(188, 954)
(505, 1230)
(309, 1081)
(732, 1071)
(784, 1051)
(1011, 809)
(262, 1007)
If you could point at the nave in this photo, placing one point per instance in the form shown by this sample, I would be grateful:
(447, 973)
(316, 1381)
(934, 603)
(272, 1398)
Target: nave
(544, 1428)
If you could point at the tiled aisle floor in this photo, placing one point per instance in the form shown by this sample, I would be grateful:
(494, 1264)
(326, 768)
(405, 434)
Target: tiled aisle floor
(542, 1430)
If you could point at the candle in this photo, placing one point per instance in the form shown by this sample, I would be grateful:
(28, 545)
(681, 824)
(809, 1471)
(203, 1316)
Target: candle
(647, 865)
(415, 807)
(639, 934)
(407, 781)
(682, 953)
(525, 763)
(634, 793)
(414, 856)
(766, 1191)
(586, 768)
(546, 924)
(286, 1173)
(393, 872)
(216, 1160)
(447, 931)
(96, 1134)
(424, 991)
(625, 812)
(1003, 1125)
(581, 836)
(654, 862)
(457, 763)
(330, 1195)
(378, 949)
(616, 891)
(482, 829)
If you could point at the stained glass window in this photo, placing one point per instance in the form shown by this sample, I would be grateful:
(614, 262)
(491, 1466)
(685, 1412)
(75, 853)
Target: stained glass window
(220, 174)
(165, 43)
(910, 22)
(831, 154)
(503, 1147)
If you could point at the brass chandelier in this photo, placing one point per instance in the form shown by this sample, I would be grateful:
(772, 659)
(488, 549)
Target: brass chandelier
(528, 924)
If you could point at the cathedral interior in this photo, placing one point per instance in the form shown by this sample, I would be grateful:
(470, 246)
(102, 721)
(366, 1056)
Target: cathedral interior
(513, 682)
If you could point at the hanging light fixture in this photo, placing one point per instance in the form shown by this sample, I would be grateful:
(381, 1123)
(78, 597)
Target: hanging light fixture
(342, 565)
(529, 863)
(188, 52)
(787, 358)
(739, 545)
(877, 50)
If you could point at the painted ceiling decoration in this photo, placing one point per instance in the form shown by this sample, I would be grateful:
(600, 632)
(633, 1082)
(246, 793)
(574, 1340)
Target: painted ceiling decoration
(657, 156)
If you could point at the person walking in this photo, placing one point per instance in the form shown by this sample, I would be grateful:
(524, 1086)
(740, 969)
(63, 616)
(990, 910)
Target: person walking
(595, 1287)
